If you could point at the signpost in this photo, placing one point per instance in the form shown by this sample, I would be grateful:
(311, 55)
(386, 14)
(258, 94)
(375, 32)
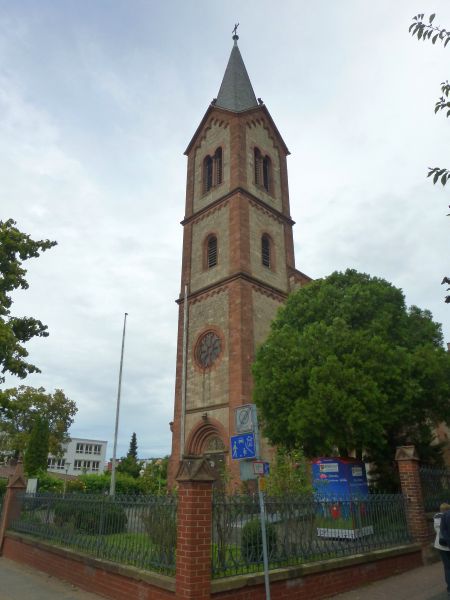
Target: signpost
(243, 446)
(246, 446)
(262, 514)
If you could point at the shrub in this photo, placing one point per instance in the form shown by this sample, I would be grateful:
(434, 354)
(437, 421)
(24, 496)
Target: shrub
(3, 484)
(161, 525)
(100, 483)
(47, 483)
(251, 541)
(101, 518)
(75, 485)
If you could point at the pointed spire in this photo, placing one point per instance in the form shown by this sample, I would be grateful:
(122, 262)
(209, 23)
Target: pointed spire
(236, 92)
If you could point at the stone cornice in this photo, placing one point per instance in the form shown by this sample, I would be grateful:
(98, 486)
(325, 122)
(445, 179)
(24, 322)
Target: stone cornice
(254, 200)
(222, 284)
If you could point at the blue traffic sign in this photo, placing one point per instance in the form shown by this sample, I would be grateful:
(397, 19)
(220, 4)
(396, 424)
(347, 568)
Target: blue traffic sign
(243, 446)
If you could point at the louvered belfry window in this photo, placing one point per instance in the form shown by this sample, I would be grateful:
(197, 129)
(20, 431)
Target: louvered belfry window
(258, 161)
(212, 251)
(207, 173)
(266, 173)
(265, 250)
(218, 166)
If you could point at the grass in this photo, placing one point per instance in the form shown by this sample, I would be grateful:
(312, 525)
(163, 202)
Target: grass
(134, 549)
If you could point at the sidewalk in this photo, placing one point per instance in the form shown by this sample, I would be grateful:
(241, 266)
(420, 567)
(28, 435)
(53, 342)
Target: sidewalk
(424, 583)
(19, 582)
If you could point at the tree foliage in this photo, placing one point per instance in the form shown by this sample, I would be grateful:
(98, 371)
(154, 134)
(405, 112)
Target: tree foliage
(426, 31)
(347, 367)
(15, 248)
(133, 450)
(289, 475)
(128, 465)
(19, 408)
(154, 479)
(36, 453)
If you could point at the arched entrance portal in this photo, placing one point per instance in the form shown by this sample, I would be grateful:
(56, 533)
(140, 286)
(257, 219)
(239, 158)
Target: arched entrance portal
(207, 440)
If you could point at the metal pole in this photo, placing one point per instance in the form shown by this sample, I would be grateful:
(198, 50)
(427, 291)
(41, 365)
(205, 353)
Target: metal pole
(264, 539)
(112, 487)
(183, 374)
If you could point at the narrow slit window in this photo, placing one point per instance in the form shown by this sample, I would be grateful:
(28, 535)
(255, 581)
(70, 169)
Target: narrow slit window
(265, 250)
(266, 173)
(212, 251)
(207, 173)
(257, 155)
(218, 166)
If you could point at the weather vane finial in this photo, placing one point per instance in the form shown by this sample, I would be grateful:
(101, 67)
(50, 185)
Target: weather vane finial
(235, 35)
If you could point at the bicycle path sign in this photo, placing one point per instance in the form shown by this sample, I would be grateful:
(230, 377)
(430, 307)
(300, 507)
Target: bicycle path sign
(243, 446)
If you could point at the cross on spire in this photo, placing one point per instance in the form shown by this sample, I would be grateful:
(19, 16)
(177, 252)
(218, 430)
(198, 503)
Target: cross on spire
(235, 35)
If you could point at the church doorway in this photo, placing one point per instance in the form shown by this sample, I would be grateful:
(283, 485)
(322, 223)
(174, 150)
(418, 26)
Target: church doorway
(215, 453)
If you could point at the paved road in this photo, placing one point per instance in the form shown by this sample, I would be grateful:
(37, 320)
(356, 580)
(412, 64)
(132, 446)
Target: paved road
(424, 583)
(18, 582)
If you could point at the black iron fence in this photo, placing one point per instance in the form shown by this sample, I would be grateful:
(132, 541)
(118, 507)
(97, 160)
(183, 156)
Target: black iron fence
(435, 487)
(302, 529)
(132, 530)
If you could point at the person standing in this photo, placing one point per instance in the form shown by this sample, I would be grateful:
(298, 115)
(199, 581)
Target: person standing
(441, 523)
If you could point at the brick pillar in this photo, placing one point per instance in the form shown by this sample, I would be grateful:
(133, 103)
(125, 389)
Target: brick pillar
(11, 502)
(408, 467)
(194, 529)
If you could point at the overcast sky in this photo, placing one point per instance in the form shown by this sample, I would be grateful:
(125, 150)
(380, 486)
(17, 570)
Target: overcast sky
(98, 101)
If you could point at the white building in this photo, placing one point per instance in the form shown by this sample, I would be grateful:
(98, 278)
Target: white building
(79, 456)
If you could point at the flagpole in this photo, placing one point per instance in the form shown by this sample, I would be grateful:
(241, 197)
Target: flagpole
(112, 487)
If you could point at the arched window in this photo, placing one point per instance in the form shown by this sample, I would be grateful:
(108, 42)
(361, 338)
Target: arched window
(212, 170)
(258, 166)
(211, 251)
(263, 170)
(207, 173)
(266, 173)
(218, 166)
(265, 250)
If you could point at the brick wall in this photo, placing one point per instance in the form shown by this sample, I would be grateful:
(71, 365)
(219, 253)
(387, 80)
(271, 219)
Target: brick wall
(408, 467)
(322, 584)
(106, 579)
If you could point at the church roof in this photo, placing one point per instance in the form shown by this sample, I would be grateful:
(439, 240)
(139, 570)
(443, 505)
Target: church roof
(236, 92)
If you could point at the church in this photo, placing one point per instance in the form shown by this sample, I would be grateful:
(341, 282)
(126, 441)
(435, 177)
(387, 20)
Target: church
(238, 266)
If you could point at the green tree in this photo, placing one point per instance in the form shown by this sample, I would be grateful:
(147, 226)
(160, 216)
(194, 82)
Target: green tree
(36, 453)
(426, 31)
(154, 479)
(133, 450)
(18, 410)
(289, 475)
(129, 466)
(15, 248)
(347, 367)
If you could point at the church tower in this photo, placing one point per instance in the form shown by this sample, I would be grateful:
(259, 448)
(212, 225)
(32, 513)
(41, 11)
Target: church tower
(238, 265)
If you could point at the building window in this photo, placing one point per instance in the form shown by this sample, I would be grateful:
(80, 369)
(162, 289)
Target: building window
(88, 449)
(80, 448)
(265, 250)
(97, 449)
(258, 166)
(77, 465)
(218, 166)
(207, 174)
(263, 170)
(208, 349)
(211, 251)
(95, 465)
(213, 170)
(56, 463)
(266, 173)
